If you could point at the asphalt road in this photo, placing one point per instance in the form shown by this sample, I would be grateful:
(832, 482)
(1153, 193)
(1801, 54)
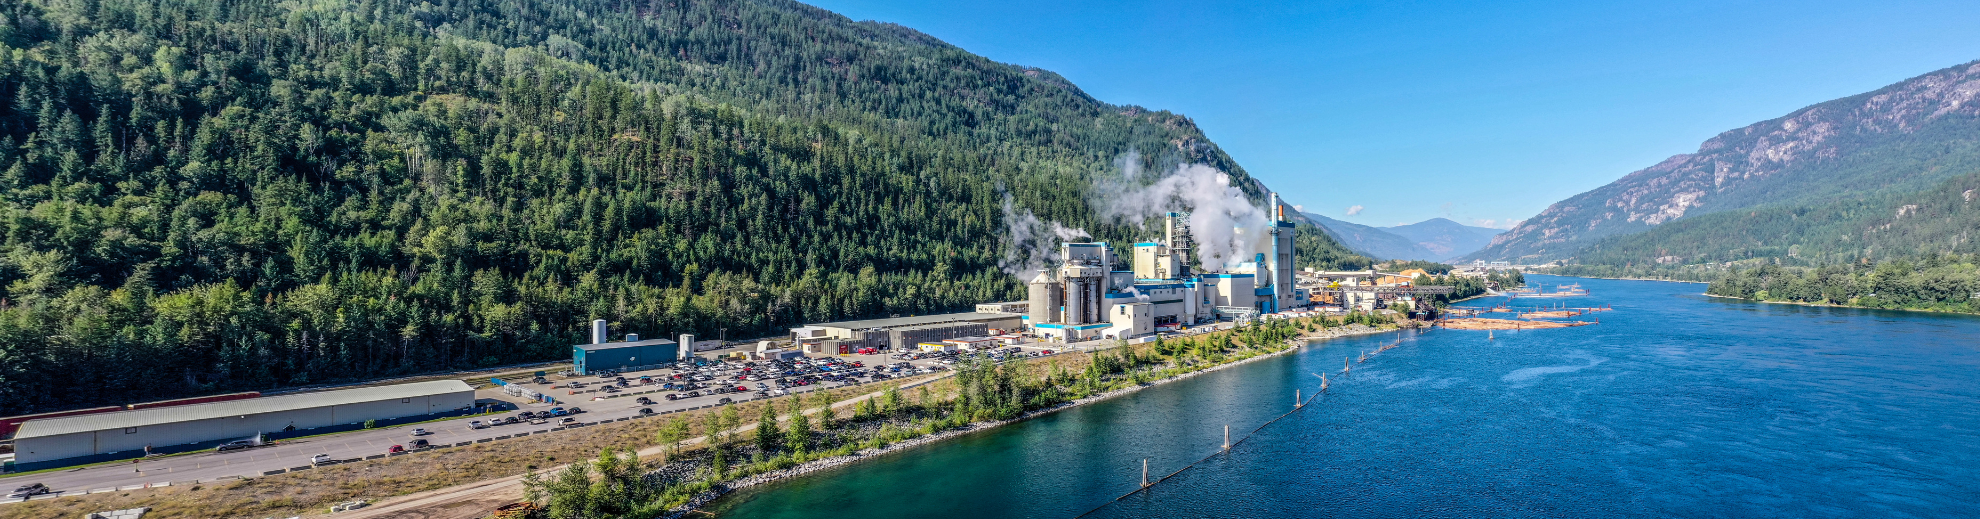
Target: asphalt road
(359, 444)
(287, 454)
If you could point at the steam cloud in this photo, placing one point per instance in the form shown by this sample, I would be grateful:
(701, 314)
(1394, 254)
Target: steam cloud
(1034, 242)
(1224, 224)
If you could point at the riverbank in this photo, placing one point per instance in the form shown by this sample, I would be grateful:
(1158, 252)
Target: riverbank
(695, 504)
(1661, 280)
(1832, 305)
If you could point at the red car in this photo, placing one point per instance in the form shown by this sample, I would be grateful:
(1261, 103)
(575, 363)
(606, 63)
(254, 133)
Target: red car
(868, 351)
(395, 448)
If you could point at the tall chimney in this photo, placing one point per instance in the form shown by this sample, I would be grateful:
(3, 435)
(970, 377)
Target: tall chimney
(598, 331)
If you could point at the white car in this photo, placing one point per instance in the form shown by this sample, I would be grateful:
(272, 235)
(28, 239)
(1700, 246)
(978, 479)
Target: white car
(477, 425)
(320, 459)
(421, 432)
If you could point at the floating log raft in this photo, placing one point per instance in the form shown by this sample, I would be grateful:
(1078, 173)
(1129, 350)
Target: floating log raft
(1506, 324)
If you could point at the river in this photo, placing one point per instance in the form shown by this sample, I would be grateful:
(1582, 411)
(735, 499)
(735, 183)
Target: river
(1677, 404)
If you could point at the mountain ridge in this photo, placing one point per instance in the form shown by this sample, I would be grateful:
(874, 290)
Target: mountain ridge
(1903, 137)
(1435, 239)
(1445, 238)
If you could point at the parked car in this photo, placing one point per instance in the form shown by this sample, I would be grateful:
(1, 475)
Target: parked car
(726, 400)
(673, 396)
(234, 446)
(420, 444)
(644, 401)
(527, 415)
(558, 411)
(477, 425)
(24, 492)
(420, 431)
(576, 410)
(645, 410)
(567, 420)
(395, 448)
(539, 420)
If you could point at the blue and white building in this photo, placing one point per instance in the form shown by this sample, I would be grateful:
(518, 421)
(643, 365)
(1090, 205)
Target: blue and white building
(1086, 298)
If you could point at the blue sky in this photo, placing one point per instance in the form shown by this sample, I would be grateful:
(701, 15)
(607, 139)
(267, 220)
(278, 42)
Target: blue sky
(1468, 110)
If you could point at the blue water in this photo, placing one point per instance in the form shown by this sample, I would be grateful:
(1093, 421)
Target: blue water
(1676, 405)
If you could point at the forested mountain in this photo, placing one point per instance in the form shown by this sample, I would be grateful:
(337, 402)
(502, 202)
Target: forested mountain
(1886, 226)
(1445, 238)
(1436, 239)
(213, 195)
(1903, 138)
(1373, 241)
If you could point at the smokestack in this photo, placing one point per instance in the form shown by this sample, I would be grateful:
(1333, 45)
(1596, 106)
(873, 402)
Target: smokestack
(1277, 215)
(598, 331)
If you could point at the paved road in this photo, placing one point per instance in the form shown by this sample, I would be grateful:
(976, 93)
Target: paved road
(288, 454)
(357, 444)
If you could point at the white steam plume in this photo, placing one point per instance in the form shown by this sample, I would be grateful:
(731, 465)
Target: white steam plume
(1224, 224)
(1034, 242)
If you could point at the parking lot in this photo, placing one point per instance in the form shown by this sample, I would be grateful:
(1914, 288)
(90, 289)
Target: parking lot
(584, 400)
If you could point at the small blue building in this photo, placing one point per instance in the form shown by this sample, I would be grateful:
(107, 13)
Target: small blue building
(623, 356)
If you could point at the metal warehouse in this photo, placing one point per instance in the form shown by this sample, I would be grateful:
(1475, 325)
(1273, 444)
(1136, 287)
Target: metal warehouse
(587, 358)
(118, 434)
(902, 332)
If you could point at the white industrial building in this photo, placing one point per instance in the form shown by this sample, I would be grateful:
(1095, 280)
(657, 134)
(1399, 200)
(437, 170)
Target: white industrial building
(1084, 298)
(112, 435)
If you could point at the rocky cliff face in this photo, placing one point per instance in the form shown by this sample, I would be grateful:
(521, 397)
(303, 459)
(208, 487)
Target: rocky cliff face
(1904, 136)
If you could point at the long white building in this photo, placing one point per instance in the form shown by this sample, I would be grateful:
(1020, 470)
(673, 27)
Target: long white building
(92, 437)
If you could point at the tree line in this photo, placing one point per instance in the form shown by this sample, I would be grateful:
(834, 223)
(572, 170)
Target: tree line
(1941, 282)
(617, 484)
(227, 195)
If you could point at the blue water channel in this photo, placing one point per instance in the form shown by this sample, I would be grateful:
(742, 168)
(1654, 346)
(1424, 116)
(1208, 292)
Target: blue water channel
(1676, 405)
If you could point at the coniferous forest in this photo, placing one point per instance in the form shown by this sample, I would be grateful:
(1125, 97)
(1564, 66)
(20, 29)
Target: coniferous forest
(216, 195)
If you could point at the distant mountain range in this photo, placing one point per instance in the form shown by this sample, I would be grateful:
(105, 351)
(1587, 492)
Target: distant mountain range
(1851, 164)
(1436, 239)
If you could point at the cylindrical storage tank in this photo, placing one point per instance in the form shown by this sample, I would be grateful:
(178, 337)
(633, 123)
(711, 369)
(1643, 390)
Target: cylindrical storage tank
(1044, 300)
(598, 331)
(1100, 302)
(1189, 299)
(1075, 307)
